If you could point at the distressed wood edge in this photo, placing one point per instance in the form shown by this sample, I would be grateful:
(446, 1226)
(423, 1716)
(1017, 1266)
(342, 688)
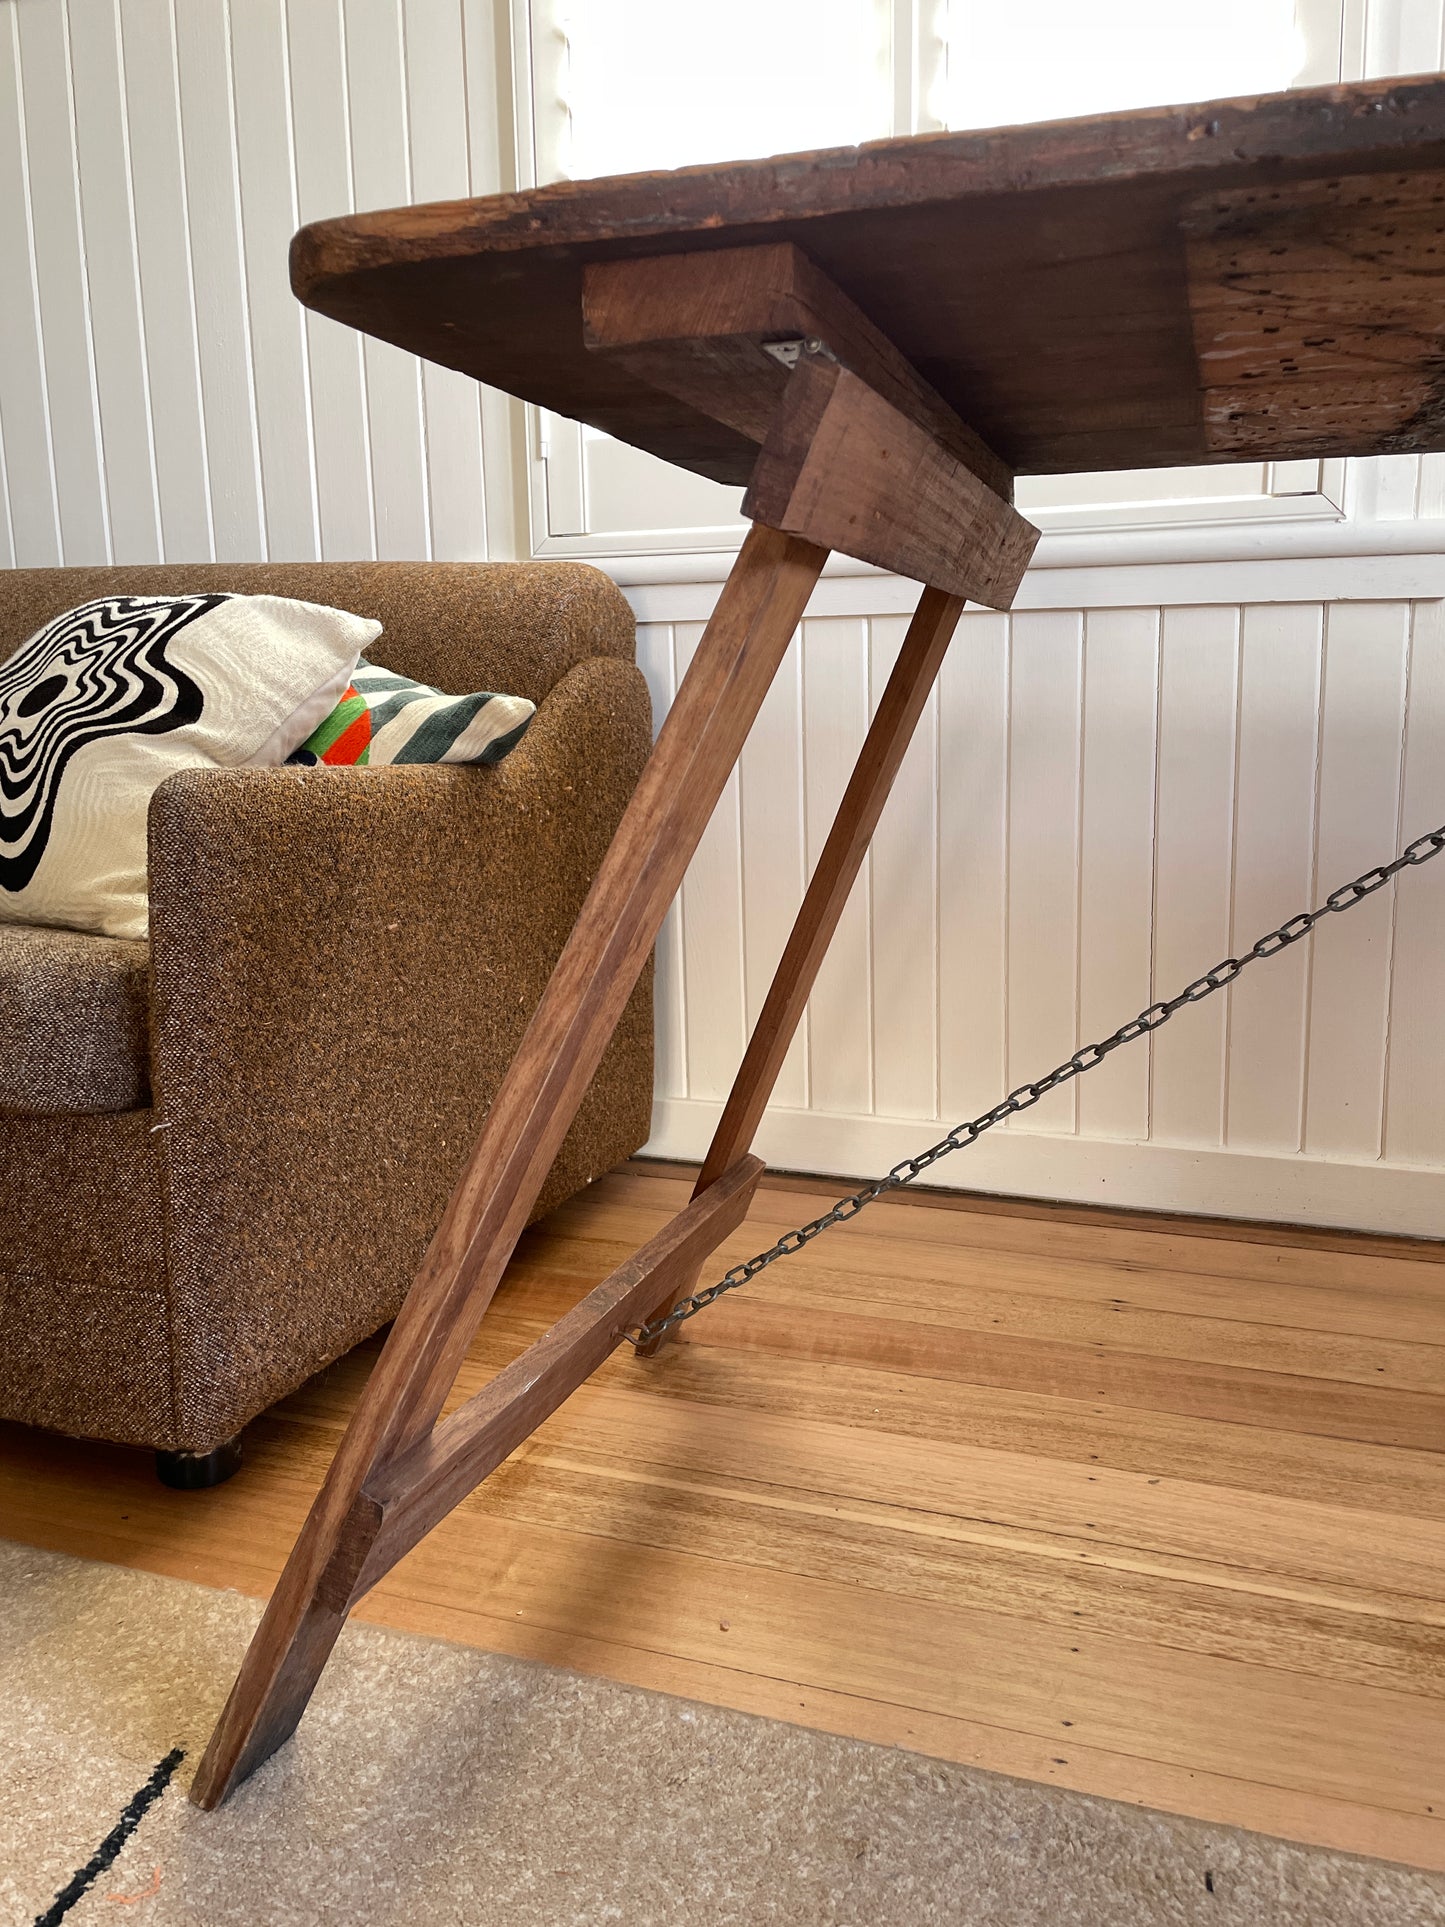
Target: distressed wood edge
(1358, 125)
(1271, 370)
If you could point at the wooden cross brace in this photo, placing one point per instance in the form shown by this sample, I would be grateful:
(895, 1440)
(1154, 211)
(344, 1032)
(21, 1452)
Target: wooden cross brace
(855, 453)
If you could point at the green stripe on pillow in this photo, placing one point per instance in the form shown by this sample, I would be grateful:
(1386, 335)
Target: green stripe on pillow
(336, 724)
(438, 729)
(386, 694)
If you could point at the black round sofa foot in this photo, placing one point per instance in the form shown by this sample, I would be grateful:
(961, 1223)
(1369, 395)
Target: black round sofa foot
(194, 1471)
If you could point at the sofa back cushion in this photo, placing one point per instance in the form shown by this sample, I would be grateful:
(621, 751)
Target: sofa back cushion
(518, 626)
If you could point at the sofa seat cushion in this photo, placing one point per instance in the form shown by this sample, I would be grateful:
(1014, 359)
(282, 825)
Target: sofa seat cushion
(74, 1024)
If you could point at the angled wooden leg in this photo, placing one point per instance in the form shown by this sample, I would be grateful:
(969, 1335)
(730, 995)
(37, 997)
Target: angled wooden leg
(842, 465)
(914, 673)
(755, 617)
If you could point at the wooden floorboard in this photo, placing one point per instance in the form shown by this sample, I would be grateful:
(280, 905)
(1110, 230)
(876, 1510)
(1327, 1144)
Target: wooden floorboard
(1138, 1506)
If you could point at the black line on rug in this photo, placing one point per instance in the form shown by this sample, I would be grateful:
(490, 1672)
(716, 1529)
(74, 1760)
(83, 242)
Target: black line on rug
(108, 1851)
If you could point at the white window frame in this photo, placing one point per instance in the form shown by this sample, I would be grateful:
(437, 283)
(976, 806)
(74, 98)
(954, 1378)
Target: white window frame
(1295, 508)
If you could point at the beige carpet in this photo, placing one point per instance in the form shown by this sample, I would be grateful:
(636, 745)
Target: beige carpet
(433, 1784)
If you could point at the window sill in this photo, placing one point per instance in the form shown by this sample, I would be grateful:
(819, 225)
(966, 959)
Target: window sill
(1331, 562)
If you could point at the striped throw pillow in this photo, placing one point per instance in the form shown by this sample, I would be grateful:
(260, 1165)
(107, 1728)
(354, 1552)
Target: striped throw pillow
(386, 718)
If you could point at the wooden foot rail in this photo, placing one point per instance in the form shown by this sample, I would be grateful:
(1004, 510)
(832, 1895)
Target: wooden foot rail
(419, 1489)
(855, 453)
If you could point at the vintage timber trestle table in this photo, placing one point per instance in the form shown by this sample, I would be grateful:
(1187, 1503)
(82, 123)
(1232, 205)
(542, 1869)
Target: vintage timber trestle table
(875, 341)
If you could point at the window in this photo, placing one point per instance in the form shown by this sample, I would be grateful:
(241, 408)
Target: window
(1048, 59)
(623, 85)
(645, 84)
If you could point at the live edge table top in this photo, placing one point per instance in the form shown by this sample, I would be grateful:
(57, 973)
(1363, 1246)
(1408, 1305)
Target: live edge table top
(1217, 283)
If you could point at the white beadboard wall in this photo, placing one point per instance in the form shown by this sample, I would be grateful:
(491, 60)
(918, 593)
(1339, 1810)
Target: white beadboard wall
(1100, 804)
(162, 394)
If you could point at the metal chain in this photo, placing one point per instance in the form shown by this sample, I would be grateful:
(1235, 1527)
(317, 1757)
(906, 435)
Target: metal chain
(1027, 1095)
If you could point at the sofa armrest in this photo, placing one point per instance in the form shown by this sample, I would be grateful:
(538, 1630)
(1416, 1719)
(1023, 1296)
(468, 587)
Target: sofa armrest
(343, 963)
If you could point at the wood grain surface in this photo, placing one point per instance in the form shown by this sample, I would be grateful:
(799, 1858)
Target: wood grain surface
(1161, 1554)
(1318, 313)
(1035, 278)
(845, 469)
(701, 326)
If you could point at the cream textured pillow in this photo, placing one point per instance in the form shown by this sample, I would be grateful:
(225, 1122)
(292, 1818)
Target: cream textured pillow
(105, 702)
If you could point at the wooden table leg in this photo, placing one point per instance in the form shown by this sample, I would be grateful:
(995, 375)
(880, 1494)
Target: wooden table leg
(756, 615)
(840, 463)
(914, 673)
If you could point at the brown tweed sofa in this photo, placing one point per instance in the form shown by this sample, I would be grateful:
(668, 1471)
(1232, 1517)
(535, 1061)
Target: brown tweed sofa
(222, 1153)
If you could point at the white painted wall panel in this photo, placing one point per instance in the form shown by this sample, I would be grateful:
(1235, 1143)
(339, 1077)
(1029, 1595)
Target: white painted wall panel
(62, 289)
(32, 517)
(440, 168)
(1361, 735)
(166, 275)
(161, 392)
(224, 336)
(322, 159)
(1116, 858)
(1415, 1064)
(712, 932)
(835, 720)
(657, 661)
(1098, 805)
(110, 269)
(973, 867)
(1109, 806)
(381, 176)
(1194, 844)
(774, 853)
(280, 359)
(1280, 657)
(903, 909)
(1045, 762)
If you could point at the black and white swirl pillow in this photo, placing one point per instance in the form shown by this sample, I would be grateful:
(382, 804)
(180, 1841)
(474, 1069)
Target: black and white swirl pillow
(99, 670)
(111, 697)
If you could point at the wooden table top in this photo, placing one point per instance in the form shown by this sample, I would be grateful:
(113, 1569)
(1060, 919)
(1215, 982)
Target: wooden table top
(1178, 285)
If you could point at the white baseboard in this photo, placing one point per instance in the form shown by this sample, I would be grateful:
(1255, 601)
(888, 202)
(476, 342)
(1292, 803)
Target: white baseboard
(1408, 1201)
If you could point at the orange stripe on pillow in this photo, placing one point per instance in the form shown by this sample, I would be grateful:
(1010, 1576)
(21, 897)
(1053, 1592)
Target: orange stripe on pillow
(353, 742)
